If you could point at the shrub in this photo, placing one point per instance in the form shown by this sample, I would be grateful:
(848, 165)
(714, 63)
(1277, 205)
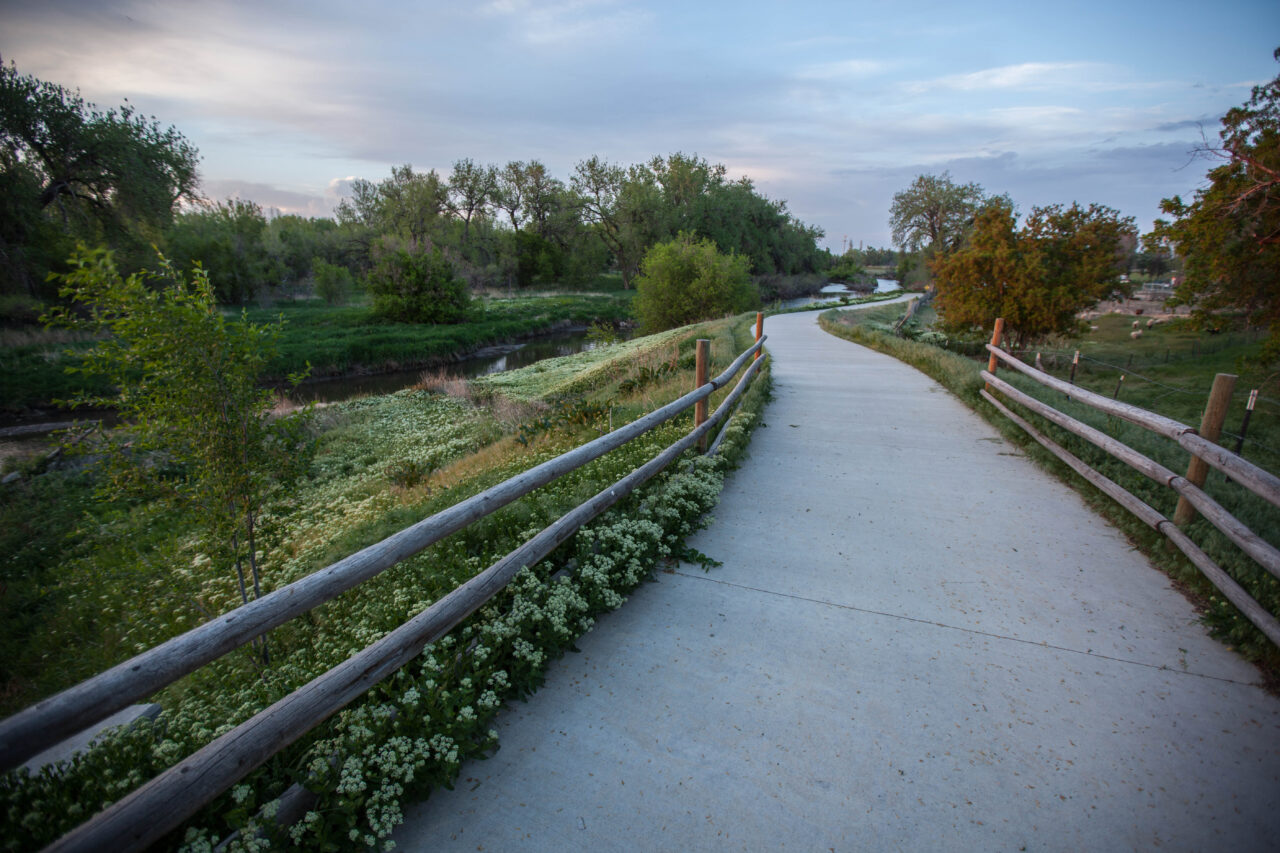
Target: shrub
(682, 281)
(417, 286)
(333, 282)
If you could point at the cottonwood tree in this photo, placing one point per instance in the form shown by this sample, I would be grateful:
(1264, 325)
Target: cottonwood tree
(102, 175)
(934, 214)
(1229, 234)
(408, 204)
(1038, 277)
(197, 427)
(625, 207)
(471, 190)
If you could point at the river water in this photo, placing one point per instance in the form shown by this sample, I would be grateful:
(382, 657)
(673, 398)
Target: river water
(836, 292)
(489, 360)
(494, 359)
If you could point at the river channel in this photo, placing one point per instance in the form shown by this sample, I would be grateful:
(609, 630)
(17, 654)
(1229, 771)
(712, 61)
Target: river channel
(493, 359)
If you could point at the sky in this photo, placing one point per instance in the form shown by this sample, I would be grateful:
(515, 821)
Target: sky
(830, 106)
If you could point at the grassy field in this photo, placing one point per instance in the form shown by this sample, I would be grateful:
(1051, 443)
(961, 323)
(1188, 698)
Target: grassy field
(87, 584)
(1177, 388)
(332, 340)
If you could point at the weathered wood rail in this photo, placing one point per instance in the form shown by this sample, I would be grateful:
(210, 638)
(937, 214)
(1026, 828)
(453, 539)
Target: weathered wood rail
(1260, 482)
(164, 803)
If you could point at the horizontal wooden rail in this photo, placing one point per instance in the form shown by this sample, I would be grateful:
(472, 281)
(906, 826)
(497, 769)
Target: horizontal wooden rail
(51, 720)
(161, 805)
(1259, 549)
(1232, 591)
(1262, 483)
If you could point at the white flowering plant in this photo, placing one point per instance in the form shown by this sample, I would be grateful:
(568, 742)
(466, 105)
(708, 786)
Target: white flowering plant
(412, 732)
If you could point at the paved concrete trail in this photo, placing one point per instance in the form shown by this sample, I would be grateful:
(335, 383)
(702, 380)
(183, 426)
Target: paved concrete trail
(917, 641)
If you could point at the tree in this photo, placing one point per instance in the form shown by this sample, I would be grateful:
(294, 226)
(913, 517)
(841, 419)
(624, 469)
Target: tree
(471, 189)
(409, 205)
(1039, 277)
(113, 176)
(682, 281)
(1229, 235)
(197, 429)
(412, 285)
(227, 238)
(624, 205)
(935, 213)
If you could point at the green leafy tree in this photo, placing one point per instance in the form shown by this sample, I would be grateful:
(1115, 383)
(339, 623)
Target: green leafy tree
(1229, 235)
(471, 190)
(685, 280)
(110, 176)
(934, 213)
(197, 430)
(1039, 277)
(625, 208)
(227, 239)
(413, 285)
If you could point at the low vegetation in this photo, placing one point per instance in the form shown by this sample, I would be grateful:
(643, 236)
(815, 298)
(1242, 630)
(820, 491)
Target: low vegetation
(89, 584)
(1171, 371)
(326, 340)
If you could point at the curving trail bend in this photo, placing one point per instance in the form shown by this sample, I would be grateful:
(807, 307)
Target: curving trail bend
(918, 640)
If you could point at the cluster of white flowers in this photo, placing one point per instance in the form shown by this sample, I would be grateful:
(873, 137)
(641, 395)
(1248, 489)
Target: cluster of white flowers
(414, 730)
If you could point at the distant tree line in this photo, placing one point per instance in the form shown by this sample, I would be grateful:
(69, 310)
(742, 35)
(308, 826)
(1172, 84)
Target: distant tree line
(72, 173)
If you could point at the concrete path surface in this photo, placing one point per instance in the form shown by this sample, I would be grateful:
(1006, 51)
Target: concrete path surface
(917, 641)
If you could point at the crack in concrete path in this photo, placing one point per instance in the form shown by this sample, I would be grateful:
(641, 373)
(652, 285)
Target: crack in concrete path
(1039, 644)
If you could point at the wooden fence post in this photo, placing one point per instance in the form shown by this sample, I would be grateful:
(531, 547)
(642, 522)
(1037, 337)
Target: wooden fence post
(700, 379)
(1075, 362)
(759, 332)
(1215, 412)
(996, 334)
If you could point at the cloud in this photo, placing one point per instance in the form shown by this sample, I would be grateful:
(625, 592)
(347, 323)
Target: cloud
(1203, 123)
(1027, 76)
(271, 197)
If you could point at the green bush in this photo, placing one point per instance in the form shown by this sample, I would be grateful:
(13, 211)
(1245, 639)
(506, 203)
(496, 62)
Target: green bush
(682, 281)
(415, 286)
(333, 282)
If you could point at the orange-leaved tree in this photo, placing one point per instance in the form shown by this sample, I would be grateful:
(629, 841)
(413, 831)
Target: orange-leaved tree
(1038, 277)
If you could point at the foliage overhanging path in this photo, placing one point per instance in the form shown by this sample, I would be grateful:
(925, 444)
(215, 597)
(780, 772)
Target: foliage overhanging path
(917, 638)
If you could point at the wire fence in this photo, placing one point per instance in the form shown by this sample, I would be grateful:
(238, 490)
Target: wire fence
(1059, 363)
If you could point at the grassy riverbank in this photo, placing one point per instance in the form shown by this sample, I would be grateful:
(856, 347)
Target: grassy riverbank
(333, 340)
(1177, 388)
(89, 584)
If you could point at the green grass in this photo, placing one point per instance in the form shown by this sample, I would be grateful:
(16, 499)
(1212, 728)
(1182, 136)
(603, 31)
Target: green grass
(88, 584)
(333, 340)
(1192, 374)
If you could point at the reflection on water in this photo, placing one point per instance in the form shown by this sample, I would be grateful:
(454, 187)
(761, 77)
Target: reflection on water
(835, 292)
(494, 359)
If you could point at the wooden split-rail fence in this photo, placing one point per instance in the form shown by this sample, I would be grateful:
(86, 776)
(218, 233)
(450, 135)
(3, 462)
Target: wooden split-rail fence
(164, 803)
(1192, 499)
